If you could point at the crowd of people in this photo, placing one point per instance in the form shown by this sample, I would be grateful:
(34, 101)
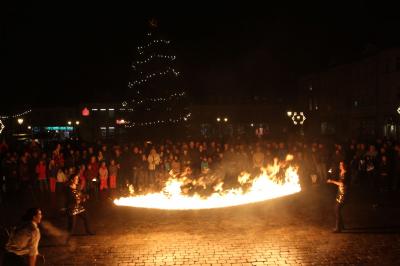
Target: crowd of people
(104, 167)
(76, 170)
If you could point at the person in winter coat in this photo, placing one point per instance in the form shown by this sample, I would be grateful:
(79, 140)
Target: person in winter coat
(41, 171)
(153, 162)
(103, 176)
(52, 169)
(113, 174)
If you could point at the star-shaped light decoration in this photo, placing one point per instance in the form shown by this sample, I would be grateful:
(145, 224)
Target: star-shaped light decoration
(2, 126)
(153, 23)
(298, 118)
(398, 110)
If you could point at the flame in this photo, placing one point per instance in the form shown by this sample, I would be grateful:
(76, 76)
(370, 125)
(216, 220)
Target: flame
(276, 180)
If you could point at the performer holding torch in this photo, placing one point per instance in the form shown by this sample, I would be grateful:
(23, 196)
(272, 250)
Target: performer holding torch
(340, 196)
(74, 206)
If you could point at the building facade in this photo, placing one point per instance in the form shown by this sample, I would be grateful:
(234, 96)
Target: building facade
(357, 99)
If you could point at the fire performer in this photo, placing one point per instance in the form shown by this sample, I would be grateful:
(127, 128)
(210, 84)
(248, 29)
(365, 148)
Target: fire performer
(74, 206)
(340, 196)
(22, 246)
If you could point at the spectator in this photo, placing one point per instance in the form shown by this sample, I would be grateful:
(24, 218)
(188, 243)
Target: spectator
(113, 172)
(23, 243)
(41, 171)
(103, 176)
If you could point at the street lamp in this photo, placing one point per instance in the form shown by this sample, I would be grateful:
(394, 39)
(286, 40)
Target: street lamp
(77, 123)
(218, 119)
(20, 121)
(1, 126)
(69, 123)
(225, 119)
(298, 118)
(29, 127)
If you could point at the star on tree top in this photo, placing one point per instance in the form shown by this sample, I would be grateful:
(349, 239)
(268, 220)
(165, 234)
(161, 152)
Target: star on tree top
(153, 23)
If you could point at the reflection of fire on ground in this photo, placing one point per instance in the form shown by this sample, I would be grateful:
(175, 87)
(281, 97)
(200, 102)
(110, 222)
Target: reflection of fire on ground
(215, 191)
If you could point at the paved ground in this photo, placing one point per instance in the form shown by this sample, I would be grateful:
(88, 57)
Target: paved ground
(295, 230)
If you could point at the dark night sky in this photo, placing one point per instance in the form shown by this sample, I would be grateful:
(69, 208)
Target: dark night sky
(72, 53)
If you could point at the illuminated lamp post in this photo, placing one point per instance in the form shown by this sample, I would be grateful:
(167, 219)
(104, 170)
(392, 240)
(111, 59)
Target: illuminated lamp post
(298, 118)
(1, 126)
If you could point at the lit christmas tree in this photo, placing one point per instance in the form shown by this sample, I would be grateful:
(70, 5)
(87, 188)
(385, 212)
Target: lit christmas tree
(156, 96)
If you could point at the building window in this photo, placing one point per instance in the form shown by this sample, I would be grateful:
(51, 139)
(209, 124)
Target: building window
(310, 104)
(103, 132)
(327, 128)
(111, 131)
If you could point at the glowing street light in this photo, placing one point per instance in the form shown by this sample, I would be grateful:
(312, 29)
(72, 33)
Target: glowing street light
(20, 121)
(77, 123)
(69, 123)
(298, 118)
(218, 119)
(29, 127)
(289, 113)
(120, 121)
(225, 119)
(1, 126)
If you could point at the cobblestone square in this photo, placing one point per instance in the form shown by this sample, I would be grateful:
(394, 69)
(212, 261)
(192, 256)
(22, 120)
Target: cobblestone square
(294, 230)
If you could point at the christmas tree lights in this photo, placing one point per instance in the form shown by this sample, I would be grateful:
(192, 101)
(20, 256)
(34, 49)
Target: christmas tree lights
(156, 96)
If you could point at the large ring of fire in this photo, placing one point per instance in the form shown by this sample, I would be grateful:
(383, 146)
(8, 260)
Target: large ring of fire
(276, 180)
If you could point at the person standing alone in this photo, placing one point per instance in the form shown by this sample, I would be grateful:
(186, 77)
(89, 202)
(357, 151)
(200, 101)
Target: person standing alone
(22, 246)
(340, 196)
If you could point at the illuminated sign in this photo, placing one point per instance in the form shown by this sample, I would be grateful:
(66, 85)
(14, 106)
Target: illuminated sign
(85, 112)
(56, 128)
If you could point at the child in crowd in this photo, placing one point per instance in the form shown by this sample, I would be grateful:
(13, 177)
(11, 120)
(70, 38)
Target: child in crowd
(113, 173)
(103, 176)
(52, 175)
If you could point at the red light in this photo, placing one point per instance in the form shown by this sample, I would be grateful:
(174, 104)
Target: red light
(85, 112)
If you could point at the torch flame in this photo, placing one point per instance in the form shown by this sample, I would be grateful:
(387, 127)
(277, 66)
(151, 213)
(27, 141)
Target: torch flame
(275, 181)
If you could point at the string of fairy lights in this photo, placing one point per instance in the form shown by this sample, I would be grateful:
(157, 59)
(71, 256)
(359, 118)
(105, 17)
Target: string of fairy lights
(141, 48)
(158, 122)
(171, 57)
(149, 76)
(15, 115)
(157, 100)
(4, 117)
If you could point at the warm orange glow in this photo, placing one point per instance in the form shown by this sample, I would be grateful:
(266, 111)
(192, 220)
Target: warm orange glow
(276, 180)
